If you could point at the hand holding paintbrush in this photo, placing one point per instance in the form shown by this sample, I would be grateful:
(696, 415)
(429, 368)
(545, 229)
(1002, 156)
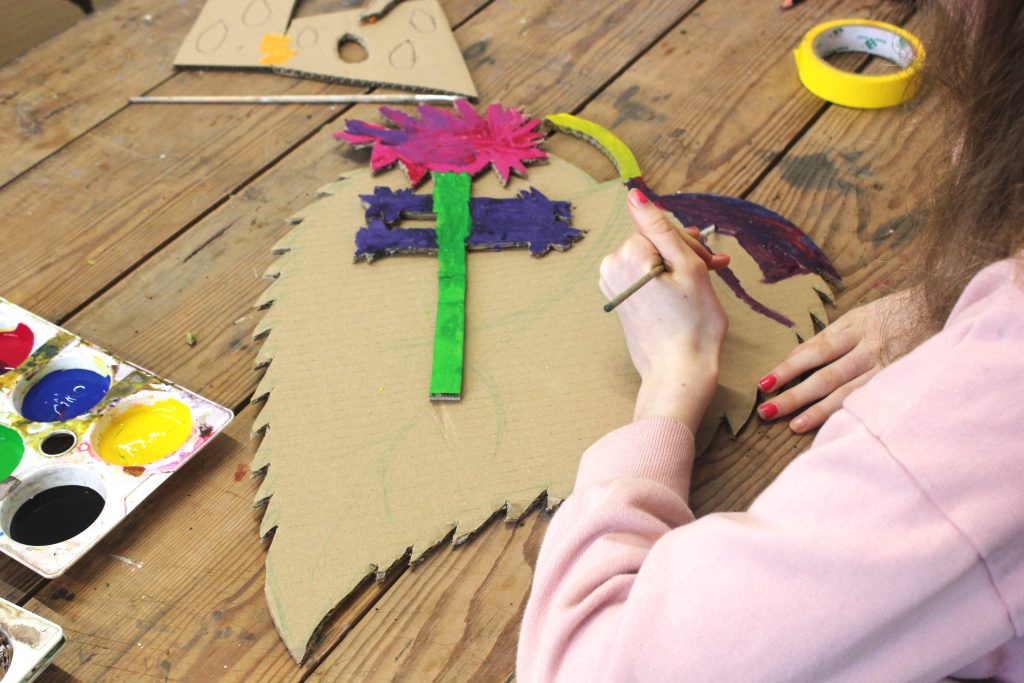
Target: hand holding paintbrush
(674, 329)
(692, 237)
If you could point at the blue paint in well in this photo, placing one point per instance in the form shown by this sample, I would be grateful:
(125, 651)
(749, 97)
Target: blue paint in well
(64, 395)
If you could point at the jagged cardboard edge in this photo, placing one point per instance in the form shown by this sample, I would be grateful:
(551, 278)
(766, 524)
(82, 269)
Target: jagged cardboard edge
(512, 509)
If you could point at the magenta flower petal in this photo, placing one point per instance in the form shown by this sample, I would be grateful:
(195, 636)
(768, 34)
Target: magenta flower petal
(450, 142)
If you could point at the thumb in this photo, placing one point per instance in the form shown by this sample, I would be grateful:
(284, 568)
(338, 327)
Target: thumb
(652, 223)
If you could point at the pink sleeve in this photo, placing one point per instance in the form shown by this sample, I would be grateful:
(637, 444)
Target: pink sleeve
(892, 549)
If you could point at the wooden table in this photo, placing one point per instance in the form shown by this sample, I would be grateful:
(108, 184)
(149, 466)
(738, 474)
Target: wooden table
(131, 225)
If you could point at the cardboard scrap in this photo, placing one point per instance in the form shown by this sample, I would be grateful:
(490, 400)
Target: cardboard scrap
(411, 47)
(27, 24)
(359, 468)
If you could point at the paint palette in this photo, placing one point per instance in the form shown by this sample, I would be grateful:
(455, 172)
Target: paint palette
(27, 643)
(84, 438)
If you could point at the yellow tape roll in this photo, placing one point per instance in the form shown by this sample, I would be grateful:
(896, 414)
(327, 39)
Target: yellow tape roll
(858, 90)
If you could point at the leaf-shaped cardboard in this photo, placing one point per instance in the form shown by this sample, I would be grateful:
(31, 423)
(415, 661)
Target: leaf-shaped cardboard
(360, 466)
(411, 47)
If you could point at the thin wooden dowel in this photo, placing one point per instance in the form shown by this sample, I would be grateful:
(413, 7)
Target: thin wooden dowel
(294, 99)
(632, 289)
(654, 272)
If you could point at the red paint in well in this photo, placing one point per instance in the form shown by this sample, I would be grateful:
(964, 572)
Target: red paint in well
(15, 347)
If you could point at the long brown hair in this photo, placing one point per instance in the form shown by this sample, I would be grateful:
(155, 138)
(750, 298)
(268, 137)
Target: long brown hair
(976, 60)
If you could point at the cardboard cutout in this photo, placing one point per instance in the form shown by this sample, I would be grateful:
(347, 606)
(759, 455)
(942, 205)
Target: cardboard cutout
(411, 47)
(361, 469)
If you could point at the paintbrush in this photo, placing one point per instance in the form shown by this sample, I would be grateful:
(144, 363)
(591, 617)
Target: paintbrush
(294, 99)
(655, 271)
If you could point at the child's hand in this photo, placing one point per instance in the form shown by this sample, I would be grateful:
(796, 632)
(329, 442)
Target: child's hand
(674, 325)
(848, 353)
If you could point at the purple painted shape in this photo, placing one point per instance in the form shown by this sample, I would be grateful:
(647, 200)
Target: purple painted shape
(392, 205)
(377, 240)
(530, 220)
(780, 249)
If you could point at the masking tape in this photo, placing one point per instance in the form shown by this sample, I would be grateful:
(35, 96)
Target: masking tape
(858, 90)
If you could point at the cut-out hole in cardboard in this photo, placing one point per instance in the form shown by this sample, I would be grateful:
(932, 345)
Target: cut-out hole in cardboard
(352, 49)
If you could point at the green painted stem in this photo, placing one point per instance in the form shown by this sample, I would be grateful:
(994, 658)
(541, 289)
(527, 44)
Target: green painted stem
(451, 205)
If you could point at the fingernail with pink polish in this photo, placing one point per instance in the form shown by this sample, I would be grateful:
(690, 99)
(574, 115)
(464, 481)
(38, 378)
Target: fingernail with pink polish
(638, 198)
(768, 410)
(767, 382)
(798, 424)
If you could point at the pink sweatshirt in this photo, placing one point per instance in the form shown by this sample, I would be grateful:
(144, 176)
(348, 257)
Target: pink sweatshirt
(892, 550)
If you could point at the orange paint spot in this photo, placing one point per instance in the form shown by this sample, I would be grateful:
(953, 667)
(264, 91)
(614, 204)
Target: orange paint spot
(276, 49)
(241, 471)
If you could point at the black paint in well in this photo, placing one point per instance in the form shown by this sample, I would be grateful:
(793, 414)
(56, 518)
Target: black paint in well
(56, 514)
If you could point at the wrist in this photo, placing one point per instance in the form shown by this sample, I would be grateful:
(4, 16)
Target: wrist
(680, 393)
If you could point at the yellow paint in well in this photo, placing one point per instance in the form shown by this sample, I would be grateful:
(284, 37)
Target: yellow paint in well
(143, 434)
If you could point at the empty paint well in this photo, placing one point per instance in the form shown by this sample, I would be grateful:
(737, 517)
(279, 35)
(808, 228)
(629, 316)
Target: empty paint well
(52, 506)
(143, 433)
(64, 389)
(58, 442)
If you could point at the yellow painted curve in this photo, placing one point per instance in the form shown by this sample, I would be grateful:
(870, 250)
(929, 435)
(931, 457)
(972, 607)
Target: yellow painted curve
(614, 148)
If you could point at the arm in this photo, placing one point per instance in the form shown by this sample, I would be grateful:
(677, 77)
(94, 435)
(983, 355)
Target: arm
(843, 569)
(890, 551)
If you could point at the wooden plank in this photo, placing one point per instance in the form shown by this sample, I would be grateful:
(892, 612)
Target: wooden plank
(113, 177)
(56, 92)
(857, 184)
(205, 278)
(714, 103)
(446, 620)
(212, 274)
(483, 568)
(180, 572)
(119, 192)
(853, 181)
(48, 100)
(17, 580)
(224, 251)
(176, 592)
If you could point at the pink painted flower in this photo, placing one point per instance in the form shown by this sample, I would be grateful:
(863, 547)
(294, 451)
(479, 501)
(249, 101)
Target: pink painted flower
(445, 142)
